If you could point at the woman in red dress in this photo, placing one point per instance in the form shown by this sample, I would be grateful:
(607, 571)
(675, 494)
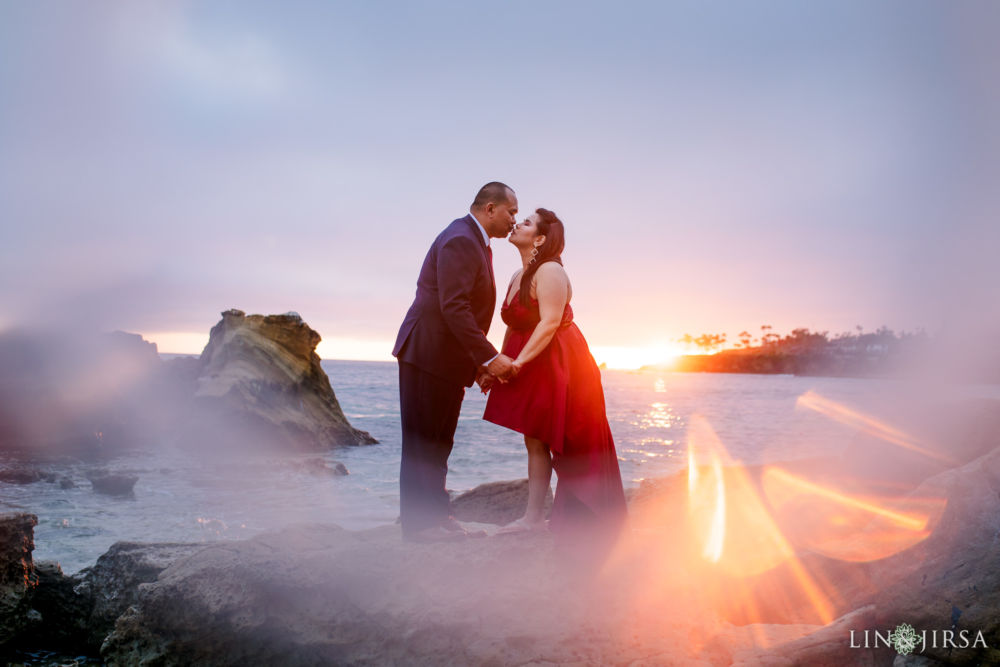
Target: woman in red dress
(555, 399)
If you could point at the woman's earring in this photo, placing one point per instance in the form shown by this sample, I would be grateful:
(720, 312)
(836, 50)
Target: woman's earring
(534, 255)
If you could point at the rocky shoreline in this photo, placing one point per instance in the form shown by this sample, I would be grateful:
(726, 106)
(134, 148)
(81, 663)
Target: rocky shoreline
(313, 594)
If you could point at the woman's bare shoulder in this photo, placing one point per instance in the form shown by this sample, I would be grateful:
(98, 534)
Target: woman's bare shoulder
(551, 270)
(551, 275)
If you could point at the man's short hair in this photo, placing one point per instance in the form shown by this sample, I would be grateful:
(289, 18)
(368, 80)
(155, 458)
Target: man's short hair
(495, 192)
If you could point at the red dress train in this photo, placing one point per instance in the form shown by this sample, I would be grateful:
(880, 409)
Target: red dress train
(558, 398)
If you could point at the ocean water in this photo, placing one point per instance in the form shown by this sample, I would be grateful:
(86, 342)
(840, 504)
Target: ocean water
(183, 496)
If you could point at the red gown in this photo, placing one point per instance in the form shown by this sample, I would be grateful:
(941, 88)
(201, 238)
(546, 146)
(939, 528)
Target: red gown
(558, 398)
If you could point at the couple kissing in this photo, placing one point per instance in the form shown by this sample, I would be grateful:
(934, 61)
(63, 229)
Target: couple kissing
(543, 383)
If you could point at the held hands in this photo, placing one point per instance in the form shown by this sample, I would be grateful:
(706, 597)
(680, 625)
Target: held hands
(485, 381)
(502, 367)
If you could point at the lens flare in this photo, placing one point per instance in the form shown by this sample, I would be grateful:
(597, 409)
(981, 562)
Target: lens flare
(850, 527)
(716, 509)
(736, 535)
(869, 425)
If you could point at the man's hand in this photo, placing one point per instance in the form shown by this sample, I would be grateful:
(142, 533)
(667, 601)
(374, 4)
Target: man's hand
(502, 367)
(485, 381)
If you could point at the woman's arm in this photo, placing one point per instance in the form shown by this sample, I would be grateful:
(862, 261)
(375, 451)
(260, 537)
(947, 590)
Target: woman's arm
(552, 289)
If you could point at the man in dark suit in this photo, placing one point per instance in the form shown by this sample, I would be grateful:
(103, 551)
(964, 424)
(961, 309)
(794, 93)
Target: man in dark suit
(442, 349)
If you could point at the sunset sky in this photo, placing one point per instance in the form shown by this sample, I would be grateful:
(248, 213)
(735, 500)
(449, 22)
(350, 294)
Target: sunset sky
(718, 166)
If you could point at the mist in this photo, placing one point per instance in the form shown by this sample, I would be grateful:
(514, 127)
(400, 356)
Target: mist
(820, 166)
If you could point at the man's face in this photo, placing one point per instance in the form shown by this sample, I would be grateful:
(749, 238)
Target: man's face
(500, 217)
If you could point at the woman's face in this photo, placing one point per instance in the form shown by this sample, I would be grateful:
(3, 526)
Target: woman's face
(526, 232)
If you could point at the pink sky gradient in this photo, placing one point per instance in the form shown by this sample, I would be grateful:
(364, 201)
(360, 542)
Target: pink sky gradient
(820, 165)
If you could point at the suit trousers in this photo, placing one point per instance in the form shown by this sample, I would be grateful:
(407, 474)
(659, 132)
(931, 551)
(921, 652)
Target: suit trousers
(429, 407)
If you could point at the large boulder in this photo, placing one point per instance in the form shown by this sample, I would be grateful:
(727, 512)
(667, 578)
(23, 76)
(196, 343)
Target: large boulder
(317, 594)
(259, 383)
(112, 484)
(75, 613)
(17, 473)
(111, 585)
(61, 613)
(17, 576)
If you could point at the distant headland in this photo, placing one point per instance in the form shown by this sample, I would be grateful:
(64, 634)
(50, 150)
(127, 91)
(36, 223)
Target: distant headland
(881, 353)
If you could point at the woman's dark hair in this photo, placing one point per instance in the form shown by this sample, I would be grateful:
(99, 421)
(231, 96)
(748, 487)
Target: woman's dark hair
(551, 227)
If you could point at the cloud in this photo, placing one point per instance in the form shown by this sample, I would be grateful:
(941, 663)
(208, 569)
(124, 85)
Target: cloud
(243, 66)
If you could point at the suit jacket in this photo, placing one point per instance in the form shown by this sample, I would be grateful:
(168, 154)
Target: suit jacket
(444, 332)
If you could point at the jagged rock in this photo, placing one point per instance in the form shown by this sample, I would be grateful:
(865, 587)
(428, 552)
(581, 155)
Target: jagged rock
(260, 383)
(111, 585)
(76, 613)
(62, 613)
(20, 476)
(317, 594)
(113, 484)
(495, 502)
(17, 577)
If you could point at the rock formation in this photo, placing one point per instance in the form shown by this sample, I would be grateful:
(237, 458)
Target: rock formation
(60, 616)
(317, 594)
(112, 484)
(40, 606)
(17, 575)
(110, 586)
(259, 381)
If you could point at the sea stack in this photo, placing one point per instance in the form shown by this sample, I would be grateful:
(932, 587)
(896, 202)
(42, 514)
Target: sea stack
(259, 382)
